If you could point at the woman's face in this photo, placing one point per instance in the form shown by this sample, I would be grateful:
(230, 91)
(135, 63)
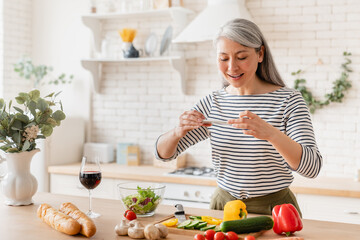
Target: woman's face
(237, 63)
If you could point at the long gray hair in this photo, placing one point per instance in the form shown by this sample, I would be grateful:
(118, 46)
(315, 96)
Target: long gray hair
(248, 34)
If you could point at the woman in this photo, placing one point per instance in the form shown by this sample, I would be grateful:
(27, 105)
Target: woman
(269, 132)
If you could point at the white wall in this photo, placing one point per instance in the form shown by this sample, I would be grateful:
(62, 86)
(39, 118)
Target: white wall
(139, 101)
(60, 40)
(16, 42)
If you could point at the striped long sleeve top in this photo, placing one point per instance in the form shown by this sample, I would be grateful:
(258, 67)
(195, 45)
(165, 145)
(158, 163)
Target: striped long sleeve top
(248, 167)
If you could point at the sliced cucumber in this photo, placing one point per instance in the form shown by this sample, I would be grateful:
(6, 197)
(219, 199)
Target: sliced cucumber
(208, 227)
(201, 225)
(184, 223)
(192, 225)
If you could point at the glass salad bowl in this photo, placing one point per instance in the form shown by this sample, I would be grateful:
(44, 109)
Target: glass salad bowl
(141, 198)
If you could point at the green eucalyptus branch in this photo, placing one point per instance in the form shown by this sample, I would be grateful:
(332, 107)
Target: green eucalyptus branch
(340, 86)
(19, 129)
(28, 70)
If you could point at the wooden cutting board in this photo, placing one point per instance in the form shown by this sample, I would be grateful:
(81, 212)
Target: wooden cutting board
(190, 232)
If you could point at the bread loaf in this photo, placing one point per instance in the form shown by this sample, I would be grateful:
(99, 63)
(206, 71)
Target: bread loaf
(58, 220)
(88, 227)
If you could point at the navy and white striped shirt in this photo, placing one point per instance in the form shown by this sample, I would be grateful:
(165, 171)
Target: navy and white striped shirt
(248, 167)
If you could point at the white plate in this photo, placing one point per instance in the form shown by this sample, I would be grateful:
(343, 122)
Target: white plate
(166, 40)
(150, 44)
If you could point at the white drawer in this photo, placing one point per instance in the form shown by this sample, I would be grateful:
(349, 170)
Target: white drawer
(70, 185)
(328, 208)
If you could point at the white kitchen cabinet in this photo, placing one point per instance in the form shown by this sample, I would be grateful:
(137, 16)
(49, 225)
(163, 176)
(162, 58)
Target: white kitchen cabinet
(94, 22)
(330, 208)
(70, 185)
(187, 195)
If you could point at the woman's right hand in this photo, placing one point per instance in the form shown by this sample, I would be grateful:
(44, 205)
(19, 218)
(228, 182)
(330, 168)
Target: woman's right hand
(188, 121)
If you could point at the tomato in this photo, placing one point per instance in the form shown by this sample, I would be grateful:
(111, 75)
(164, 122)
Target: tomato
(199, 237)
(209, 234)
(231, 236)
(130, 215)
(249, 237)
(219, 236)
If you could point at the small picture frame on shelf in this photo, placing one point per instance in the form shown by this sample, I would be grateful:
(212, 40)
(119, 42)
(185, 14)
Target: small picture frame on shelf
(161, 4)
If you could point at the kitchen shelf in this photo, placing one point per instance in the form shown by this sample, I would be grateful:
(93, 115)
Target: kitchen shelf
(93, 21)
(94, 66)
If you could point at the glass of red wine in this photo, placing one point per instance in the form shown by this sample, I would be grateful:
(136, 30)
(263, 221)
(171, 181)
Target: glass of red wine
(90, 178)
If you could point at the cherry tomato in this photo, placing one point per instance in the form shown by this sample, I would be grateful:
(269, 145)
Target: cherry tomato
(231, 236)
(219, 236)
(209, 234)
(249, 237)
(199, 237)
(130, 215)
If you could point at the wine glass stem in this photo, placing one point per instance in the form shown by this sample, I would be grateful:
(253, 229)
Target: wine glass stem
(90, 207)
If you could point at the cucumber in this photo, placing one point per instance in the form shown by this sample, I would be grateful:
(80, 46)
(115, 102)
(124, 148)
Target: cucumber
(192, 225)
(184, 223)
(207, 227)
(195, 217)
(248, 225)
(201, 225)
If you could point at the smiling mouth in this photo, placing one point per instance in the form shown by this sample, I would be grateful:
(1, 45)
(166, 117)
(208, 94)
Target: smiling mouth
(236, 76)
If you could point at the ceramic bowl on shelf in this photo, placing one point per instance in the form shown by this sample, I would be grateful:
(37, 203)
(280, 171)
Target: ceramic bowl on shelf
(141, 198)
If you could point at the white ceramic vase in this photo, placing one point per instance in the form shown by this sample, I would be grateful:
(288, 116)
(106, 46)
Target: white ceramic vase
(19, 185)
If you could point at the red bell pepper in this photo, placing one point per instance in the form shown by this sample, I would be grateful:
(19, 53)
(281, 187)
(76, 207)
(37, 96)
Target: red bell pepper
(286, 219)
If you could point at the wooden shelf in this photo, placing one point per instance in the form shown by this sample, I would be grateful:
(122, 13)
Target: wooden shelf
(94, 22)
(94, 66)
(143, 14)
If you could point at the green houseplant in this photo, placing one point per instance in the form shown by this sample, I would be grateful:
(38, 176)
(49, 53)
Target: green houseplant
(39, 74)
(19, 129)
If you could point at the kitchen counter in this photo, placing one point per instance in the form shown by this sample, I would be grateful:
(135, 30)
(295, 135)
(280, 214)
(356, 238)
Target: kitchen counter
(339, 187)
(23, 223)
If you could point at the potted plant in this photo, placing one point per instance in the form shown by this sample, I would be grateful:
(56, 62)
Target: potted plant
(18, 131)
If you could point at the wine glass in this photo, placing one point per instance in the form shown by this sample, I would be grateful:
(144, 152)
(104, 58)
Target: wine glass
(90, 178)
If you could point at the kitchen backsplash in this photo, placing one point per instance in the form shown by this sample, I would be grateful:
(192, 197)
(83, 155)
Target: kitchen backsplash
(140, 100)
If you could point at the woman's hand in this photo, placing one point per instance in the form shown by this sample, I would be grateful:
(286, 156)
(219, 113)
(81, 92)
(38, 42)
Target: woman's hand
(188, 121)
(253, 125)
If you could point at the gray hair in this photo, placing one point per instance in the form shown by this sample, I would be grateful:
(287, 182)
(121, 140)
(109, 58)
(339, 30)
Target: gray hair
(248, 34)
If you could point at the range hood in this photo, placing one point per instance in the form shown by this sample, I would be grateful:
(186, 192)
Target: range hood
(207, 23)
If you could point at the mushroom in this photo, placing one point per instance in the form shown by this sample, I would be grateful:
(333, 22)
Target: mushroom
(136, 231)
(151, 232)
(132, 222)
(163, 230)
(121, 229)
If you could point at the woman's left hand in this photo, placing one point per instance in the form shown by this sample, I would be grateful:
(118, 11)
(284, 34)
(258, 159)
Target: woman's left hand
(253, 125)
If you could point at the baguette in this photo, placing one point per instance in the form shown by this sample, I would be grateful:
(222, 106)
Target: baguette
(88, 227)
(58, 220)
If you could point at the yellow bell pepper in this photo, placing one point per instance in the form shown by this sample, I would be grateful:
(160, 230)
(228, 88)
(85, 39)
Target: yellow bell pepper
(171, 222)
(234, 210)
(211, 220)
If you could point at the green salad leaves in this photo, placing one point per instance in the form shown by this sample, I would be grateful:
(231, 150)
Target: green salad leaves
(144, 201)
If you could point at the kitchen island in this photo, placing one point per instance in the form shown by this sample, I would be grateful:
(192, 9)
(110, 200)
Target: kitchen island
(23, 223)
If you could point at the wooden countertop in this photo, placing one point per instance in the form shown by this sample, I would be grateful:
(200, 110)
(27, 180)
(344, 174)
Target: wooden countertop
(23, 223)
(340, 187)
